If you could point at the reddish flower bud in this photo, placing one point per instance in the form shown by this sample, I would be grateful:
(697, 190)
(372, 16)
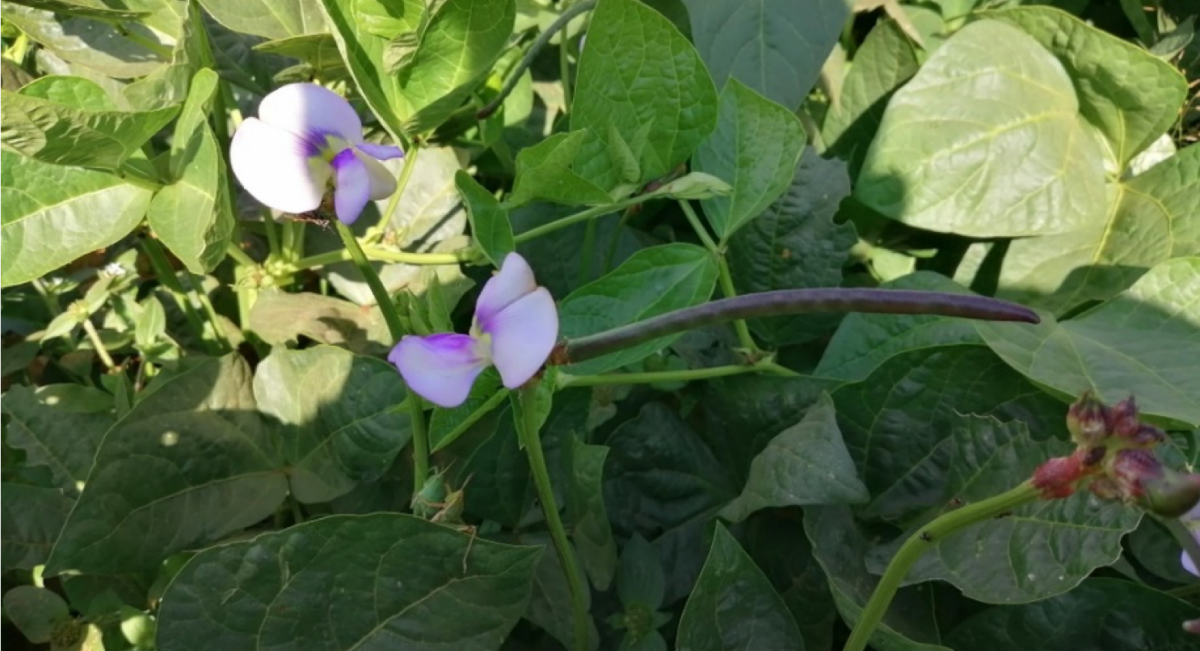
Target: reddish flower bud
(1105, 488)
(1192, 626)
(1087, 420)
(1124, 418)
(1056, 478)
(1132, 469)
(1147, 436)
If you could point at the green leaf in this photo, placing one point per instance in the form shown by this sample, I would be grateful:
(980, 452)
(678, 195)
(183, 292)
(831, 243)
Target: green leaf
(565, 259)
(279, 318)
(1016, 559)
(268, 18)
(342, 415)
(931, 168)
(1142, 342)
(489, 221)
(864, 341)
(777, 544)
(806, 463)
(651, 282)
(639, 78)
(75, 92)
(885, 60)
(897, 421)
(1129, 94)
(31, 518)
(1152, 217)
(363, 53)
(169, 84)
(548, 171)
(840, 546)
(500, 488)
(1102, 613)
(755, 147)
(733, 605)
(459, 43)
(776, 47)
(641, 577)
(59, 426)
(93, 44)
(64, 135)
(1157, 550)
(83, 8)
(193, 216)
(550, 606)
(590, 527)
(190, 463)
(796, 244)
(37, 612)
(305, 587)
(446, 425)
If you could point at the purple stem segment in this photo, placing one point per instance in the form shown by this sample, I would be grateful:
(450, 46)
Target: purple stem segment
(792, 301)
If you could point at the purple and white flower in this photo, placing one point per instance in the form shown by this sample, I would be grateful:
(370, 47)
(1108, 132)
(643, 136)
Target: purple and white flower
(1190, 518)
(515, 328)
(304, 137)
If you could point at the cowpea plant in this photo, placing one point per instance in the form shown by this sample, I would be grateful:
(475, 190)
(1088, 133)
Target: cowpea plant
(588, 324)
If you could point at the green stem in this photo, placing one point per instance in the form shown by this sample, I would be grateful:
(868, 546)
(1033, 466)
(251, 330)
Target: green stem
(558, 533)
(922, 541)
(410, 163)
(94, 337)
(269, 227)
(157, 48)
(564, 69)
(378, 254)
(542, 40)
(240, 256)
(589, 243)
(386, 305)
(166, 276)
(654, 377)
(590, 213)
(473, 418)
(726, 278)
(218, 331)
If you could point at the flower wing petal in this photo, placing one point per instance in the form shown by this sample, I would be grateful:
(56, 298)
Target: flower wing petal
(311, 111)
(382, 183)
(275, 167)
(380, 152)
(523, 334)
(353, 188)
(440, 368)
(514, 280)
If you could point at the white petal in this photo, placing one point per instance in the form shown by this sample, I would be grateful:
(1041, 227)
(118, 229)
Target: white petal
(383, 184)
(514, 281)
(523, 334)
(1188, 564)
(274, 166)
(440, 368)
(312, 111)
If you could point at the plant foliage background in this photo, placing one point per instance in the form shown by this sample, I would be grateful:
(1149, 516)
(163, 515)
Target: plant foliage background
(205, 449)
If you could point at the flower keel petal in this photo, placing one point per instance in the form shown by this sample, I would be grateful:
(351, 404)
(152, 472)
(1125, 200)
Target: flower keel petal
(275, 167)
(353, 188)
(514, 280)
(440, 368)
(523, 334)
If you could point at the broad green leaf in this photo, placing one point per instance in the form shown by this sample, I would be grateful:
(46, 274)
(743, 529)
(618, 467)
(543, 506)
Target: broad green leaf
(317, 50)
(864, 341)
(363, 53)
(71, 135)
(31, 518)
(1023, 163)
(776, 47)
(500, 487)
(40, 614)
(661, 480)
(897, 421)
(446, 425)
(796, 244)
(1143, 342)
(193, 216)
(640, 580)
(549, 171)
(59, 426)
(1102, 613)
(342, 416)
(733, 605)
(885, 60)
(777, 544)
(1129, 94)
(268, 18)
(90, 43)
(532, 403)
(755, 147)
(83, 8)
(550, 605)
(651, 282)
(305, 587)
(840, 547)
(169, 84)
(458, 44)
(75, 92)
(641, 80)
(1151, 218)
(1156, 549)
(489, 220)
(190, 463)
(590, 526)
(1021, 558)
(279, 318)
(806, 463)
